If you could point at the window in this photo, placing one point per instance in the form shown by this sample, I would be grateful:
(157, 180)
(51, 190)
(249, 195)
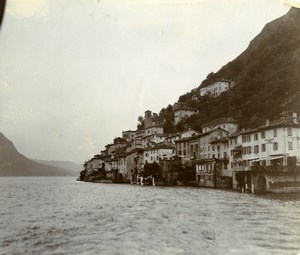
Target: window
(248, 138)
(263, 147)
(244, 150)
(262, 135)
(255, 137)
(243, 138)
(218, 147)
(275, 146)
(249, 150)
(289, 131)
(256, 149)
(290, 145)
(275, 132)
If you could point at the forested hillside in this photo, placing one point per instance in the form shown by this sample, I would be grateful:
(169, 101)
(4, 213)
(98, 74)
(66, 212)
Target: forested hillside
(266, 75)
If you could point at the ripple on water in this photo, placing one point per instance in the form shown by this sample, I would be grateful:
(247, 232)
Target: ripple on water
(62, 216)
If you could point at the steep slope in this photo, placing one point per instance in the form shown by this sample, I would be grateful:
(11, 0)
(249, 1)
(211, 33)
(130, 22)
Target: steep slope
(266, 74)
(67, 165)
(12, 163)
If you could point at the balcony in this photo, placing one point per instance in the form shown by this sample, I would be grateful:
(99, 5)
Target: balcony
(239, 168)
(275, 168)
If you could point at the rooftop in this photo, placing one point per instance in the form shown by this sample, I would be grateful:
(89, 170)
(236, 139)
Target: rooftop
(206, 85)
(220, 121)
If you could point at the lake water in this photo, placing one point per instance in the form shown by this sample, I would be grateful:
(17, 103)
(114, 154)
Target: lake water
(62, 216)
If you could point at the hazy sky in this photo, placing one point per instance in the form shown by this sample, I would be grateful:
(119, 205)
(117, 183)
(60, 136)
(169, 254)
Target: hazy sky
(75, 73)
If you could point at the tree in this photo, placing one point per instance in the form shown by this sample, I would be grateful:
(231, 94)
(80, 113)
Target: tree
(210, 75)
(141, 123)
(180, 127)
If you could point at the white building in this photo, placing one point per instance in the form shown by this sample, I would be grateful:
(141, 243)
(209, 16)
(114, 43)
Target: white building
(229, 124)
(215, 89)
(270, 146)
(158, 152)
(207, 148)
(268, 157)
(153, 139)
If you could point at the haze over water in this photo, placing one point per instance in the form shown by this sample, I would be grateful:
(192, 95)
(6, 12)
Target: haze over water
(61, 216)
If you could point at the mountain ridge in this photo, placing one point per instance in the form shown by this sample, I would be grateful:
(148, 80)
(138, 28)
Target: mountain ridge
(266, 74)
(67, 165)
(13, 163)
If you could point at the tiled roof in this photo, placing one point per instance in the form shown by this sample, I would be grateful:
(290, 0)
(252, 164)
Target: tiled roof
(219, 121)
(206, 85)
(183, 106)
(213, 130)
(222, 139)
(283, 122)
(159, 146)
(186, 138)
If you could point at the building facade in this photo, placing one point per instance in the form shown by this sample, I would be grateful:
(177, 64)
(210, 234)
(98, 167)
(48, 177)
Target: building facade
(215, 89)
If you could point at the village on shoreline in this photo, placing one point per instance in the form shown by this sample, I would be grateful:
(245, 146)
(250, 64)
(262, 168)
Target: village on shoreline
(262, 159)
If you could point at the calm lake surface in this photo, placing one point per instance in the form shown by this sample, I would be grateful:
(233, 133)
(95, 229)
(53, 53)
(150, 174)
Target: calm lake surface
(50, 215)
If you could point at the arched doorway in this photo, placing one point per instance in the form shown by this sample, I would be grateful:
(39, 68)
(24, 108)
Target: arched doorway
(261, 184)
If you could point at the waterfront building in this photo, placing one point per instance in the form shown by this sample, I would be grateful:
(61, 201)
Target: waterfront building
(186, 145)
(269, 156)
(131, 165)
(206, 148)
(158, 152)
(213, 163)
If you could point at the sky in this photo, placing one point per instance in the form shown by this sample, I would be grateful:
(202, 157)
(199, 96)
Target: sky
(75, 73)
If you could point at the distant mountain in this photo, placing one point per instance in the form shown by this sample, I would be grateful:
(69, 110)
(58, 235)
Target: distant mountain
(13, 163)
(267, 77)
(67, 165)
